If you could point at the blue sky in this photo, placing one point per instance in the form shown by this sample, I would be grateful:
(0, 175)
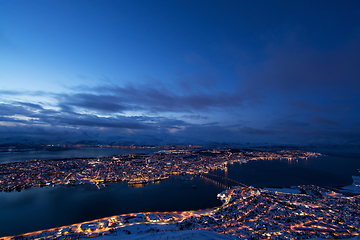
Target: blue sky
(172, 71)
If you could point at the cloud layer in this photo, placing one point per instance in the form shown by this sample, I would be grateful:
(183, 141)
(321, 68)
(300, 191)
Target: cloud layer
(236, 72)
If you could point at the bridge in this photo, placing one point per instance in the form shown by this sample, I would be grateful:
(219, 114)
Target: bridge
(223, 179)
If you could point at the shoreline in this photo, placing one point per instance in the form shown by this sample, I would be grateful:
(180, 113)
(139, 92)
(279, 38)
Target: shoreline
(119, 224)
(220, 167)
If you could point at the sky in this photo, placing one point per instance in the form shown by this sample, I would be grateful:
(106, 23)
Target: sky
(272, 72)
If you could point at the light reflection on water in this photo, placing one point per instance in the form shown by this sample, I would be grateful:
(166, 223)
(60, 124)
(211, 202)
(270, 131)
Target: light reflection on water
(42, 208)
(329, 170)
(85, 152)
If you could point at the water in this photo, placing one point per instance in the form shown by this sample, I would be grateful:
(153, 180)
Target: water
(41, 208)
(86, 152)
(334, 169)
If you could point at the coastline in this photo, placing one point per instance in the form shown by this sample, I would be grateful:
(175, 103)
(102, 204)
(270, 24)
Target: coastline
(166, 224)
(224, 168)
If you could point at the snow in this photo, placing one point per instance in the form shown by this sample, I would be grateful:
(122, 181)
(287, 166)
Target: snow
(284, 190)
(354, 238)
(355, 187)
(152, 231)
(159, 232)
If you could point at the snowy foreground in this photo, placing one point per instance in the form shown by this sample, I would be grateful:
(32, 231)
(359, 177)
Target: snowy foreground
(159, 231)
(246, 213)
(355, 187)
(354, 238)
(162, 232)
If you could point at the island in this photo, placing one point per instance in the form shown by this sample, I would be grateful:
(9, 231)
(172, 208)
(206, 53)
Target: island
(247, 212)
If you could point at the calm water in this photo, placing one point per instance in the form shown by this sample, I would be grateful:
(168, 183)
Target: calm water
(333, 169)
(42, 208)
(6, 157)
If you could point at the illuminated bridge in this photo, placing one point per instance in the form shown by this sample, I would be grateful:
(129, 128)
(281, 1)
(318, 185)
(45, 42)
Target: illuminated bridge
(224, 180)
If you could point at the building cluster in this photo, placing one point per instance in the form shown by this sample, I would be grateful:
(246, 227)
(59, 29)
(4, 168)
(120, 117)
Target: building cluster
(105, 226)
(135, 169)
(246, 213)
(250, 213)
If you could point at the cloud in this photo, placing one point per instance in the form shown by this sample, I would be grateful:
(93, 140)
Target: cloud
(195, 117)
(314, 106)
(197, 81)
(11, 92)
(50, 117)
(254, 131)
(96, 122)
(102, 103)
(308, 81)
(148, 98)
(22, 120)
(321, 120)
(292, 123)
(25, 93)
(293, 68)
(14, 109)
(31, 105)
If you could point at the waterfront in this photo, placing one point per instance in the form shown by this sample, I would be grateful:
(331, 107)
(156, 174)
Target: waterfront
(335, 168)
(246, 213)
(41, 208)
(82, 152)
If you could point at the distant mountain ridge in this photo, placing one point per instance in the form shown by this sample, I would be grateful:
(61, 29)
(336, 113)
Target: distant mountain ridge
(33, 142)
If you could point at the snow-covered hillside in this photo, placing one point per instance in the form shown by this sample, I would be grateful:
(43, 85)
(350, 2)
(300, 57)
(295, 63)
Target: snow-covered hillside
(161, 232)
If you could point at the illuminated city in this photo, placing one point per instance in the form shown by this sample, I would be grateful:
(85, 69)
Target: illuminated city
(134, 169)
(179, 119)
(246, 213)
